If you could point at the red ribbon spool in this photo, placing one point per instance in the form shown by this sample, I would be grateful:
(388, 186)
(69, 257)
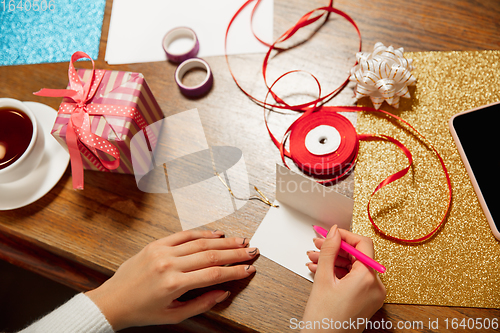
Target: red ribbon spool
(332, 164)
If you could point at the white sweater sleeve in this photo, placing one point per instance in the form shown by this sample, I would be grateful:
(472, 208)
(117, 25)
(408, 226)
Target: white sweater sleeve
(77, 315)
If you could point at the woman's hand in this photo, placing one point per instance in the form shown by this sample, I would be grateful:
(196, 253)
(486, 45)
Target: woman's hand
(145, 288)
(344, 288)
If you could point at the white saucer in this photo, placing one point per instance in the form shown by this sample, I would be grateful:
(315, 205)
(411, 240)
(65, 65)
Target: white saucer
(53, 165)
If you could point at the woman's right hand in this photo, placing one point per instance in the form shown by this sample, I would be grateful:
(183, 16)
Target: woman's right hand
(344, 288)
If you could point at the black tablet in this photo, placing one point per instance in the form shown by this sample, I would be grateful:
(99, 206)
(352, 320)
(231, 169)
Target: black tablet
(477, 136)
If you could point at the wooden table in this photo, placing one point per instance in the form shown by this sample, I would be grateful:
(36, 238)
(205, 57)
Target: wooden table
(79, 238)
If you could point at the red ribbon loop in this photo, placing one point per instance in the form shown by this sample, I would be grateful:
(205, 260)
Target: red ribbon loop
(304, 21)
(400, 173)
(78, 131)
(339, 163)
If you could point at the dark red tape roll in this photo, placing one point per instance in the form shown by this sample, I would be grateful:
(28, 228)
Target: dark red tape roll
(327, 164)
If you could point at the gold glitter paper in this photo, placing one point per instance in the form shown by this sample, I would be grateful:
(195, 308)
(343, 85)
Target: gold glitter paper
(460, 265)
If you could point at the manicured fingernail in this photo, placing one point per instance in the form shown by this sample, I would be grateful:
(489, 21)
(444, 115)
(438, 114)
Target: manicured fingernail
(219, 233)
(332, 232)
(250, 269)
(252, 251)
(307, 263)
(223, 297)
(243, 241)
(310, 251)
(316, 238)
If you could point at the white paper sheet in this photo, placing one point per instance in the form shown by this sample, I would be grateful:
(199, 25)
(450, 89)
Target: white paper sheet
(137, 28)
(285, 234)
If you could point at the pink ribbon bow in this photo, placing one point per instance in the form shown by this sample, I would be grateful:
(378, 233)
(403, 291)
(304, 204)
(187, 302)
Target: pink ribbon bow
(78, 131)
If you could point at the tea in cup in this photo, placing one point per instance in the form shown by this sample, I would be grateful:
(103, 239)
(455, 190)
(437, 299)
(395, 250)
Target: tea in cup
(21, 140)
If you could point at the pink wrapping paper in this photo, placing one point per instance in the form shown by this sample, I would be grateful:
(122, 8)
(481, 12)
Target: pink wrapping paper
(116, 88)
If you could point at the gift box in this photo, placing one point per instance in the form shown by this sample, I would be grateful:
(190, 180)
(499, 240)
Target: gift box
(100, 113)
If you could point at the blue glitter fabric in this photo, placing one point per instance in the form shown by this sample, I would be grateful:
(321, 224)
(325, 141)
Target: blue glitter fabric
(32, 37)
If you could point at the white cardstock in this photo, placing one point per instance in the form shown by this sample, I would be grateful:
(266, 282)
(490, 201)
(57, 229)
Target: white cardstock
(137, 28)
(286, 233)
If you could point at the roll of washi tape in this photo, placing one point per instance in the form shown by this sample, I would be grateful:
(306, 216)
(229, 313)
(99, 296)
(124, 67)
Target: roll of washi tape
(324, 144)
(199, 89)
(176, 33)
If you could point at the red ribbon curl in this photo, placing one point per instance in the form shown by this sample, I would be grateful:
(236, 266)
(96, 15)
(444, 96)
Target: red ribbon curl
(339, 163)
(306, 20)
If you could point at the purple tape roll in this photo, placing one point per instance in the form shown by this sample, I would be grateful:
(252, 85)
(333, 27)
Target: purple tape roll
(176, 33)
(199, 89)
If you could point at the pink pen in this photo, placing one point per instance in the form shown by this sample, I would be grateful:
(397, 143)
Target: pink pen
(356, 253)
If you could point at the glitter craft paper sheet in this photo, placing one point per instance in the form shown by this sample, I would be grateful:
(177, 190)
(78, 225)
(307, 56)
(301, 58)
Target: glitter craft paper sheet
(460, 265)
(40, 31)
